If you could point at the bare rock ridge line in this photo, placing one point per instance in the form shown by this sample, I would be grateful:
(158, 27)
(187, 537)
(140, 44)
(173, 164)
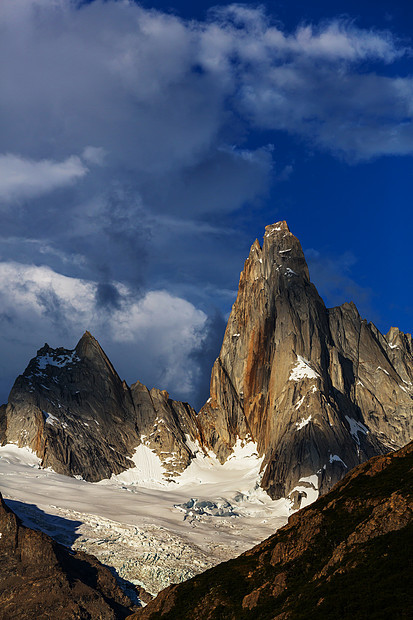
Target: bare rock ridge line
(318, 390)
(39, 578)
(348, 556)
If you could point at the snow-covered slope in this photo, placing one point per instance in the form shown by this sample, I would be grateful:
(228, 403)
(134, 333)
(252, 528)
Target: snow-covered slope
(153, 532)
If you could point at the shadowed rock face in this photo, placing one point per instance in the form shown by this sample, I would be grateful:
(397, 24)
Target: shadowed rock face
(319, 390)
(73, 410)
(41, 579)
(348, 555)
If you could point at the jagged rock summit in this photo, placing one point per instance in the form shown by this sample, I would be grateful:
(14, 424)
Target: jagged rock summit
(317, 390)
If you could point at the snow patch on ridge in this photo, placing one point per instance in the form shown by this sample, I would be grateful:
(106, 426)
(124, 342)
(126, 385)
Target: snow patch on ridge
(303, 422)
(148, 471)
(272, 230)
(300, 402)
(50, 419)
(12, 454)
(383, 369)
(302, 370)
(335, 457)
(59, 360)
(309, 486)
(356, 427)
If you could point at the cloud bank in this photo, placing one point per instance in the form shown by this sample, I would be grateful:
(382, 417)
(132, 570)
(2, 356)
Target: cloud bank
(22, 179)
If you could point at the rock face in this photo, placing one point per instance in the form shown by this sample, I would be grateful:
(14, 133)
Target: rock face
(73, 410)
(319, 390)
(41, 579)
(347, 556)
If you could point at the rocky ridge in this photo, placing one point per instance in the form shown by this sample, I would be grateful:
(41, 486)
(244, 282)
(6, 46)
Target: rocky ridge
(73, 410)
(345, 556)
(317, 390)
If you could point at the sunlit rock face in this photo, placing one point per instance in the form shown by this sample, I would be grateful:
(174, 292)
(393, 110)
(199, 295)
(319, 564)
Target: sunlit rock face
(319, 390)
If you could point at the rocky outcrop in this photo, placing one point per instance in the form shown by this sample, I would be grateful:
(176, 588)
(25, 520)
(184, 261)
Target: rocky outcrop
(41, 579)
(319, 390)
(73, 410)
(168, 427)
(346, 556)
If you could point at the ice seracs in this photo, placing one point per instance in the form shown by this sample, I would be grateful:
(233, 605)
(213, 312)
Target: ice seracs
(356, 428)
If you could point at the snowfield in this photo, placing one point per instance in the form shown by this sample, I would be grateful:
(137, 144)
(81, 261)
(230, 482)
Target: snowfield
(152, 532)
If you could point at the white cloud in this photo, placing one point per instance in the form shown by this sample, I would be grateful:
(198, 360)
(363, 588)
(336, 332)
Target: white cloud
(166, 330)
(161, 96)
(22, 178)
(161, 331)
(342, 40)
(94, 155)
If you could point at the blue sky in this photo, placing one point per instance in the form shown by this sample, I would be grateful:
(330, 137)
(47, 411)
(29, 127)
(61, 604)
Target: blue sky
(143, 148)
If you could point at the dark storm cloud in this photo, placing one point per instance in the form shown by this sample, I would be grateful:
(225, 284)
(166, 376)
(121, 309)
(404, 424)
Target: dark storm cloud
(107, 296)
(205, 357)
(53, 309)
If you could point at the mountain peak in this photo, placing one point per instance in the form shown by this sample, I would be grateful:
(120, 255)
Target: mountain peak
(280, 256)
(278, 227)
(87, 344)
(87, 336)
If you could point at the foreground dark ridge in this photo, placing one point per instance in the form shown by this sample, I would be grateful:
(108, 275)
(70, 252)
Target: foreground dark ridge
(318, 390)
(39, 578)
(347, 556)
